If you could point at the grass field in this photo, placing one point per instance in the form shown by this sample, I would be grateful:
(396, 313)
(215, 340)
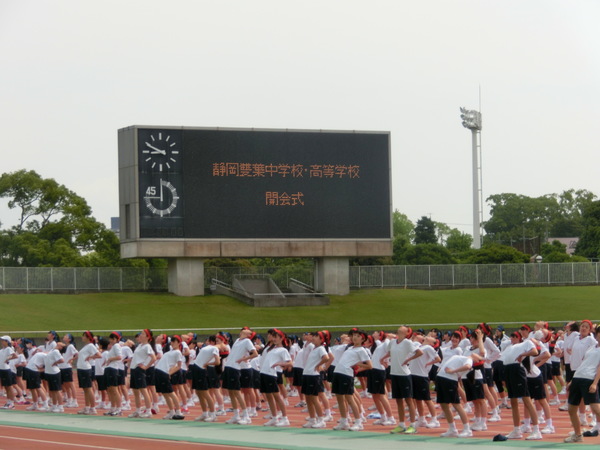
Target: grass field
(130, 311)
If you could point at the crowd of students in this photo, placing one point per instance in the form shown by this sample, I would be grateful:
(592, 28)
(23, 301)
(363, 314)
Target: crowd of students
(472, 372)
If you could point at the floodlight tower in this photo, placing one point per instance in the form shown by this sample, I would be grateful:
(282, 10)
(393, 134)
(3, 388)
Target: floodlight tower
(472, 120)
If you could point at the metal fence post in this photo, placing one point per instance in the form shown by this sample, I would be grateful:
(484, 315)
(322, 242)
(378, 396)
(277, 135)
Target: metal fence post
(74, 279)
(27, 278)
(98, 278)
(51, 278)
(477, 275)
(381, 267)
(573, 274)
(500, 274)
(429, 275)
(524, 274)
(453, 275)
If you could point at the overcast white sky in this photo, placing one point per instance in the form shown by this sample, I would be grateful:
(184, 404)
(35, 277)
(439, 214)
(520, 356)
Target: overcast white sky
(73, 72)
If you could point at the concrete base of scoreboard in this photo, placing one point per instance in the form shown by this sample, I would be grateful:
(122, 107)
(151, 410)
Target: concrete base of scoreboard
(186, 276)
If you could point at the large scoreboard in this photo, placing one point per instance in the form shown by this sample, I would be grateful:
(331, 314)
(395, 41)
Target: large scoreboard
(209, 184)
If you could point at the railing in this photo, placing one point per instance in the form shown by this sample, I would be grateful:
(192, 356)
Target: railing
(471, 275)
(57, 279)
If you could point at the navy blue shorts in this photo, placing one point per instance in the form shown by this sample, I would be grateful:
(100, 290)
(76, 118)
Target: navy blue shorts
(54, 383)
(402, 386)
(150, 376)
(101, 381)
(6, 378)
(163, 382)
(246, 378)
(342, 384)
(580, 390)
(84, 378)
(268, 384)
(111, 377)
(312, 384)
(446, 390)
(376, 381)
(213, 379)
(231, 379)
(137, 378)
(66, 375)
(32, 378)
(199, 378)
(420, 388)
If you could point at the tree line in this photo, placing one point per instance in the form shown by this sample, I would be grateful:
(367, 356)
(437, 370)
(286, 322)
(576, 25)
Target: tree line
(55, 228)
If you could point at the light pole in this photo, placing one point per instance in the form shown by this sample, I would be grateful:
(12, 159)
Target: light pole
(472, 120)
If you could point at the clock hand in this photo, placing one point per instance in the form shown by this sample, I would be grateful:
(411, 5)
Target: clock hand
(162, 152)
(161, 192)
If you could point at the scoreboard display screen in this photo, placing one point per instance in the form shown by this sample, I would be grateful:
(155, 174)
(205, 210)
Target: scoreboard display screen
(263, 184)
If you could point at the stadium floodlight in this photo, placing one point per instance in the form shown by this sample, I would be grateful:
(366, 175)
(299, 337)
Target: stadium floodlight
(471, 119)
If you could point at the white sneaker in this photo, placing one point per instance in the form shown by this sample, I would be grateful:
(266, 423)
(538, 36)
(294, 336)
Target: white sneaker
(549, 429)
(271, 422)
(211, 418)
(31, 408)
(232, 420)
(450, 433)
(478, 427)
(328, 418)
(343, 425)
(526, 429)
(145, 414)
(244, 421)
(465, 433)
(433, 423)
(319, 424)
(515, 434)
(283, 422)
(495, 418)
(169, 415)
(221, 412)
(91, 412)
(358, 426)
(536, 435)
(421, 422)
(309, 423)
(133, 415)
(389, 421)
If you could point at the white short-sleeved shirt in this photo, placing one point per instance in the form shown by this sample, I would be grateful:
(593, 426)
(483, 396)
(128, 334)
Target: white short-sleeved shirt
(569, 340)
(337, 351)
(350, 358)
(141, 356)
(380, 352)
(126, 354)
(399, 352)
(492, 352)
(82, 359)
(512, 353)
(454, 362)
(240, 349)
(315, 356)
(51, 358)
(580, 347)
(589, 366)
(168, 360)
(113, 352)
(559, 345)
(273, 356)
(418, 366)
(469, 351)
(205, 355)
(36, 362)
(5, 353)
(68, 355)
(99, 368)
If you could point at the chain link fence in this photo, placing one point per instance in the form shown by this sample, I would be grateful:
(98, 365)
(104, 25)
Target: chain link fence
(471, 275)
(60, 279)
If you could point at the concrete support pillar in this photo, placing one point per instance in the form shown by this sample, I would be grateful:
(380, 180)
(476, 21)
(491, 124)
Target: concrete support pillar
(186, 276)
(332, 275)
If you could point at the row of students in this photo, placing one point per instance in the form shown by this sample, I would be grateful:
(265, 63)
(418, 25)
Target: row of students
(403, 353)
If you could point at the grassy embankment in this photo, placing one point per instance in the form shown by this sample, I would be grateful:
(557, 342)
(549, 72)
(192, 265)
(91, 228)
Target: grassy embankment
(130, 311)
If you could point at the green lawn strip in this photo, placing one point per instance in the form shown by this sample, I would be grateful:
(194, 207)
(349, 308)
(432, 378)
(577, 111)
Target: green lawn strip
(118, 311)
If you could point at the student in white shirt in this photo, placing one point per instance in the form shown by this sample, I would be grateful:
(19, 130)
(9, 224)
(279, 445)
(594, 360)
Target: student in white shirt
(273, 357)
(52, 376)
(111, 374)
(401, 351)
(66, 371)
(206, 356)
(167, 366)
(143, 357)
(584, 388)
(355, 357)
(85, 373)
(312, 381)
(6, 378)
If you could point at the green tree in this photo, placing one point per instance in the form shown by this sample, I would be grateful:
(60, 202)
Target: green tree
(425, 232)
(457, 241)
(427, 254)
(495, 254)
(402, 226)
(589, 242)
(55, 225)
